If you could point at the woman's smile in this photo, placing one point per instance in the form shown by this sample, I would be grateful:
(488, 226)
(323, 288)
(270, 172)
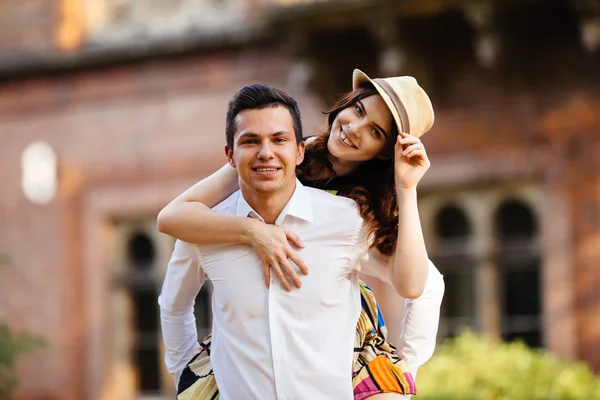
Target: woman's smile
(346, 140)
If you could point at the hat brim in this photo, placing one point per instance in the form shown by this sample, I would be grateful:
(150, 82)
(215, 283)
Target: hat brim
(359, 78)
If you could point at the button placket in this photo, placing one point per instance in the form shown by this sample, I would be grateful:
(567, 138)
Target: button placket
(275, 333)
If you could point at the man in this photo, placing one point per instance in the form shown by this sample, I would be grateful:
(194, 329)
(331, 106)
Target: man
(271, 343)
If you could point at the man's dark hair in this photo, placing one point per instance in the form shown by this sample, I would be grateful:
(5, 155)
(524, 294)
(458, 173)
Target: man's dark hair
(256, 97)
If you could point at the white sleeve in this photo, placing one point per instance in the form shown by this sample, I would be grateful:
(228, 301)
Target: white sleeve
(182, 283)
(418, 336)
(370, 261)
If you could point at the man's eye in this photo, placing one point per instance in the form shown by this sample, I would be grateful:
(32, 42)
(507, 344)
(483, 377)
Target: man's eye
(280, 140)
(249, 141)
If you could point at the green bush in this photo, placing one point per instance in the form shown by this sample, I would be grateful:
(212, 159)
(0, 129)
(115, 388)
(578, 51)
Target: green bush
(11, 346)
(470, 367)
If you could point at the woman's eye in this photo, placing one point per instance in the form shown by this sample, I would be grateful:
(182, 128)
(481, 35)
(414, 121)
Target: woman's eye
(358, 110)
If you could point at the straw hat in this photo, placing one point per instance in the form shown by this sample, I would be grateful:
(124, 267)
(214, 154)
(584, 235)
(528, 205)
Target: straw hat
(408, 102)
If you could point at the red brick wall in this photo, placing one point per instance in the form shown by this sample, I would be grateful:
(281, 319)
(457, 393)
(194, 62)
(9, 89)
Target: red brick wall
(26, 25)
(158, 125)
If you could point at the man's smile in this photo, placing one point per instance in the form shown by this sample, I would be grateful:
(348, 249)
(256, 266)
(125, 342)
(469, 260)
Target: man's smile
(266, 169)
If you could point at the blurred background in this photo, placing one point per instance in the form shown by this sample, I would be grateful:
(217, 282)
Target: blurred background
(111, 108)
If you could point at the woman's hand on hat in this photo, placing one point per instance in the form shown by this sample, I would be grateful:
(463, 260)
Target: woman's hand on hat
(273, 246)
(410, 161)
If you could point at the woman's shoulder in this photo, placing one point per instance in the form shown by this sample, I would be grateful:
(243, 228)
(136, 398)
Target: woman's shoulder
(328, 198)
(337, 213)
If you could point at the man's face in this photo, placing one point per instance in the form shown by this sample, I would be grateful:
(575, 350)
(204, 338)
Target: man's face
(265, 152)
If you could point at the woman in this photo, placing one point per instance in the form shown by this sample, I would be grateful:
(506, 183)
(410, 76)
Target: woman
(365, 154)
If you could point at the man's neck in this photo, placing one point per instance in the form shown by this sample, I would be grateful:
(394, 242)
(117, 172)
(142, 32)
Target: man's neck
(268, 205)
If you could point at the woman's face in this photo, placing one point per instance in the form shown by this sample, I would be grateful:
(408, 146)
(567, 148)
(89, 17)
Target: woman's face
(362, 131)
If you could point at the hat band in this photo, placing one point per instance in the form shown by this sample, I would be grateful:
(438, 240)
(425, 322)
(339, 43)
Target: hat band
(389, 90)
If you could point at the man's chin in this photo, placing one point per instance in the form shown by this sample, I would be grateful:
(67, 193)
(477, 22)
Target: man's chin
(266, 187)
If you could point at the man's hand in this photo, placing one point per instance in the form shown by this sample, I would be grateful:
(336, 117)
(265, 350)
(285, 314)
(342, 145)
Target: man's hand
(273, 245)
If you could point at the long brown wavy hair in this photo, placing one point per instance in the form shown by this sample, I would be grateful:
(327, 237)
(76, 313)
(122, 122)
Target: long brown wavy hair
(371, 185)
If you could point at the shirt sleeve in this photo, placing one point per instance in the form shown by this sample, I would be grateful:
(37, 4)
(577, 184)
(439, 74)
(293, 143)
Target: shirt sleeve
(183, 281)
(370, 261)
(420, 323)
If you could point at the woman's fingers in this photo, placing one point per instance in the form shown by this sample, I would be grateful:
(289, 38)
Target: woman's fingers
(292, 255)
(412, 147)
(282, 269)
(417, 154)
(275, 266)
(267, 274)
(406, 138)
(294, 239)
(289, 271)
(296, 259)
(274, 247)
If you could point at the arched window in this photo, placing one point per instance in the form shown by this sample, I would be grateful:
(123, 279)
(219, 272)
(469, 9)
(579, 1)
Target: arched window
(453, 259)
(142, 283)
(515, 222)
(451, 222)
(141, 250)
(519, 264)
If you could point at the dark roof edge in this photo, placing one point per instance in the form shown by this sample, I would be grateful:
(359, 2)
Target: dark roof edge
(93, 55)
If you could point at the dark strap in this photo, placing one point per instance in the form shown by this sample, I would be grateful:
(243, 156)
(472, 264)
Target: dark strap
(387, 88)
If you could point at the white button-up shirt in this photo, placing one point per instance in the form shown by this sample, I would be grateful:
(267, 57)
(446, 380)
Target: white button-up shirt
(269, 343)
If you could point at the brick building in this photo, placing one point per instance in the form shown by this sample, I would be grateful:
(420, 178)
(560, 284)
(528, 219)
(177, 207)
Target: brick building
(131, 96)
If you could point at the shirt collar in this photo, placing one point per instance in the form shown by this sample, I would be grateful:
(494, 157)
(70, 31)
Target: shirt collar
(299, 206)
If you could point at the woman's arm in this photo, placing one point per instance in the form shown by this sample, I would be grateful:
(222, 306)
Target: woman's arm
(409, 264)
(190, 219)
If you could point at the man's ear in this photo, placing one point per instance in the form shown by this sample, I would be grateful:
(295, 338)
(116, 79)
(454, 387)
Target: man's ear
(300, 157)
(229, 154)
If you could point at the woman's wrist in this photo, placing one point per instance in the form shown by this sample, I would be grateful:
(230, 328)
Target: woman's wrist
(406, 192)
(249, 226)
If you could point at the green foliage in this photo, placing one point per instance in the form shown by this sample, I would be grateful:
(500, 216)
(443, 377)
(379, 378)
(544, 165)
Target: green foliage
(13, 345)
(470, 367)
(4, 259)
